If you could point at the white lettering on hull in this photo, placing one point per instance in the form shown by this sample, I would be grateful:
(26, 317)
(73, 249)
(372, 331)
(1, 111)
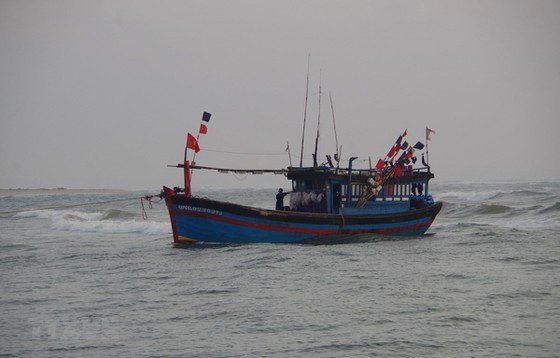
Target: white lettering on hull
(199, 210)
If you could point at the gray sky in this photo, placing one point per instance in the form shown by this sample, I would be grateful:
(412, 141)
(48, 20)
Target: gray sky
(101, 94)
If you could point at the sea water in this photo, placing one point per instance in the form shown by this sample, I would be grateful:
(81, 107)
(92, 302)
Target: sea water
(83, 275)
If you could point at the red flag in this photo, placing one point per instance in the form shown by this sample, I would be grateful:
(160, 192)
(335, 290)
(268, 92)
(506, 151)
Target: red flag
(429, 132)
(394, 150)
(380, 164)
(192, 143)
(203, 129)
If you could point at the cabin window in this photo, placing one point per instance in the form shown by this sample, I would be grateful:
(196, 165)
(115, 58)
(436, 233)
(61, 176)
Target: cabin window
(308, 185)
(300, 185)
(357, 190)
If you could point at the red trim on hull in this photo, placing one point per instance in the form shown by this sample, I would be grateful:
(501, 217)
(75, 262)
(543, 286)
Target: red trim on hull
(259, 226)
(404, 228)
(301, 230)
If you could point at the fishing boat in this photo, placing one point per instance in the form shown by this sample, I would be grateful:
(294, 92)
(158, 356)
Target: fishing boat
(327, 202)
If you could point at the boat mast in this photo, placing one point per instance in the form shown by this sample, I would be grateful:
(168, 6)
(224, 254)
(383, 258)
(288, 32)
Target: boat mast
(337, 156)
(304, 113)
(318, 124)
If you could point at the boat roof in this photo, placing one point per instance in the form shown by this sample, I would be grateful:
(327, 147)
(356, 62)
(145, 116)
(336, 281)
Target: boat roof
(327, 172)
(358, 175)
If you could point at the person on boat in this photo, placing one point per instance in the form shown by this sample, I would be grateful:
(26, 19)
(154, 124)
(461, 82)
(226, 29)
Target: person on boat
(280, 199)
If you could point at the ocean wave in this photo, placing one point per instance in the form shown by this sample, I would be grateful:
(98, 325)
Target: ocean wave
(550, 209)
(111, 221)
(522, 194)
(493, 209)
(500, 204)
(514, 216)
(56, 214)
(532, 223)
(468, 210)
(115, 214)
(113, 227)
(501, 195)
(468, 195)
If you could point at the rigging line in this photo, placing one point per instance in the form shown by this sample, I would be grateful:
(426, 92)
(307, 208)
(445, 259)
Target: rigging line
(241, 153)
(147, 197)
(335, 135)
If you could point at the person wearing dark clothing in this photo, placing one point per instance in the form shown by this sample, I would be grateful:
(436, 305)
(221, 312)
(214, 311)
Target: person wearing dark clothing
(280, 199)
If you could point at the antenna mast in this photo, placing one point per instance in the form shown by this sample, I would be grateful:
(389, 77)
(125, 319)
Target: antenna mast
(337, 156)
(318, 124)
(304, 113)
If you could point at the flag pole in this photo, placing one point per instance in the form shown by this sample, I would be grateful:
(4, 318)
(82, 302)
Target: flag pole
(194, 154)
(187, 174)
(205, 118)
(427, 155)
(429, 132)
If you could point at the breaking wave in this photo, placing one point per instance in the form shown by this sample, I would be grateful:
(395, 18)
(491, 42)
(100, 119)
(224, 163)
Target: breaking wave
(555, 208)
(110, 221)
(494, 194)
(522, 205)
(468, 196)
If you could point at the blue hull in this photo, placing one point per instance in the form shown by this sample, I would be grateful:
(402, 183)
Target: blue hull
(203, 220)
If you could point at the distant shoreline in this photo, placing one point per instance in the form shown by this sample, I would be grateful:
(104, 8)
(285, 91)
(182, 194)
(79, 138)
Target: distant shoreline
(44, 191)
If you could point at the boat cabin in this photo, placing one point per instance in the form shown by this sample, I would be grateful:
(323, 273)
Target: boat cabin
(336, 190)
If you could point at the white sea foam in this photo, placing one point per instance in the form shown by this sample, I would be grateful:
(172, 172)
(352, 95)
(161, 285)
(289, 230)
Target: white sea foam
(68, 220)
(56, 214)
(469, 195)
(113, 227)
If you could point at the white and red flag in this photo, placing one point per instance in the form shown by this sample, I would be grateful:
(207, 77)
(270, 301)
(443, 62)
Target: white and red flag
(429, 132)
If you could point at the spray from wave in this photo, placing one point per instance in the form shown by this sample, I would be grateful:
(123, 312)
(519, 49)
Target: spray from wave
(110, 221)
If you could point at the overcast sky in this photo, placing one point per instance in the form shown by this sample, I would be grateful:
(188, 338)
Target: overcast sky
(101, 94)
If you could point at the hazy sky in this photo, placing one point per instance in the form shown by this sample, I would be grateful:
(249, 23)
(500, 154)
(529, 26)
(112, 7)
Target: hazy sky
(101, 94)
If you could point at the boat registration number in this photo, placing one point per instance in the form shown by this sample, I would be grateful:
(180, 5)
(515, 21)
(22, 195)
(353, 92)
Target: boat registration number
(199, 210)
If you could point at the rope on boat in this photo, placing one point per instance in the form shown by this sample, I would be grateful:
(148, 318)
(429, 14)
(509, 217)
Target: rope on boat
(148, 198)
